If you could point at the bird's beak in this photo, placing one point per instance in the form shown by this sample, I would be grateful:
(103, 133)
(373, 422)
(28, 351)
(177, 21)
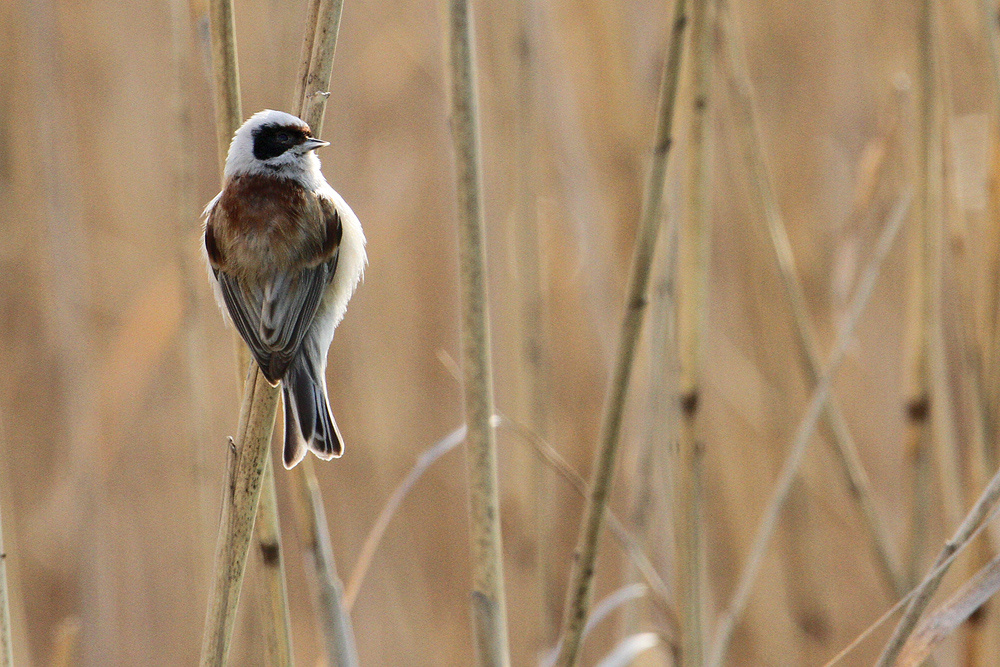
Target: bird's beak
(312, 144)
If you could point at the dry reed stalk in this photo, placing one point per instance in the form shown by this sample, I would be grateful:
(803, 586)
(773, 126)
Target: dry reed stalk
(917, 391)
(245, 468)
(803, 436)
(532, 376)
(489, 612)
(319, 47)
(921, 596)
(846, 449)
(255, 476)
(6, 644)
(692, 315)
(939, 570)
(579, 591)
(990, 16)
(267, 531)
(335, 627)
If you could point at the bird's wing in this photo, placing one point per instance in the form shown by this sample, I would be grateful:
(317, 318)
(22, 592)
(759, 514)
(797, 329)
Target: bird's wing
(275, 318)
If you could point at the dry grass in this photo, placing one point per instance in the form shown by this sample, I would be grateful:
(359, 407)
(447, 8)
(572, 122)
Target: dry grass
(119, 391)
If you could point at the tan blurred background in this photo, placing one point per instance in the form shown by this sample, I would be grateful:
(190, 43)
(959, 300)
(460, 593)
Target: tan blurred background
(120, 386)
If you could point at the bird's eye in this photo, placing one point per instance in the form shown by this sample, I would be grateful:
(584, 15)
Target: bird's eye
(283, 137)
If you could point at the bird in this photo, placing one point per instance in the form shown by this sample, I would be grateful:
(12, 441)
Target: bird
(285, 254)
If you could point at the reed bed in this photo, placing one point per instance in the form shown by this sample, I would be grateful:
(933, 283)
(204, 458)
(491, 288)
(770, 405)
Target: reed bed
(789, 421)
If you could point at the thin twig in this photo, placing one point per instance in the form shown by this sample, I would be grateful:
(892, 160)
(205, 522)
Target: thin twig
(581, 578)
(923, 593)
(489, 605)
(846, 449)
(424, 461)
(803, 436)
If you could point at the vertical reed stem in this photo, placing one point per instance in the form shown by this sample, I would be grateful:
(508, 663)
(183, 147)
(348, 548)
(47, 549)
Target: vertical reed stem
(316, 69)
(580, 589)
(6, 645)
(488, 604)
(692, 313)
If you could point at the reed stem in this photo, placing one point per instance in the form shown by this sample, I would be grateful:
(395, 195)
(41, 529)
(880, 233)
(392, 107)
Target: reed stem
(580, 589)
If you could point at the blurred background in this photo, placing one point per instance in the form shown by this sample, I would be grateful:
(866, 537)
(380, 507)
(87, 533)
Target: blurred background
(120, 383)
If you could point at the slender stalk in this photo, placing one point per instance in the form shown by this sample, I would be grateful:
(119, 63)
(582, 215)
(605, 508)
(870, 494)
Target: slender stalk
(335, 624)
(313, 81)
(226, 74)
(223, 604)
(692, 313)
(489, 606)
(917, 388)
(923, 593)
(803, 436)
(579, 591)
(268, 533)
(532, 376)
(6, 645)
(317, 86)
(846, 449)
(239, 508)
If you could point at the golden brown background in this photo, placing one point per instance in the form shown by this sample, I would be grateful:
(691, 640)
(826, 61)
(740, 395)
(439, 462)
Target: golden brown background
(119, 377)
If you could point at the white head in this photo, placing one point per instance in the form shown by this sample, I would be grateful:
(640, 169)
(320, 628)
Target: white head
(277, 144)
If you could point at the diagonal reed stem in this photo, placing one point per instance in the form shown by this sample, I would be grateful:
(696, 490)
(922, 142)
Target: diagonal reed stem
(921, 596)
(803, 436)
(489, 606)
(6, 645)
(846, 449)
(579, 591)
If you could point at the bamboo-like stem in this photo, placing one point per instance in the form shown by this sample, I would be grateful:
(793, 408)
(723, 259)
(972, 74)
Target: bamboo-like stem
(803, 436)
(226, 74)
(229, 574)
(489, 611)
(923, 593)
(334, 623)
(317, 86)
(692, 315)
(313, 81)
(6, 644)
(239, 508)
(846, 449)
(579, 591)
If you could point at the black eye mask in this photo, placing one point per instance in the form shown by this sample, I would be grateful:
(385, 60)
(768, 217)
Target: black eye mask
(272, 140)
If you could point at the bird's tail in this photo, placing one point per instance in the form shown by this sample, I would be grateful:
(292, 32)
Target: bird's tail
(309, 424)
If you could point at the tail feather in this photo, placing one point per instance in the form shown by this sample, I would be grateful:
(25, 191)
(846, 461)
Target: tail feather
(309, 423)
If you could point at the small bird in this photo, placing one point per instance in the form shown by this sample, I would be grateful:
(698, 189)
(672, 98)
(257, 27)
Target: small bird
(285, 253)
